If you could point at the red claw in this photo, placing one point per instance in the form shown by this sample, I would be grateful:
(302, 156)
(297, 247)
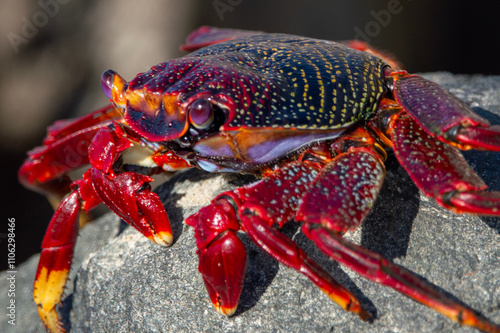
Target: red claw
(129, 196)
(223, 266)
(105, 148)
(222, 255)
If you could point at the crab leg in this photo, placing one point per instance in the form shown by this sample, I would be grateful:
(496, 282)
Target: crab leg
(62, 128)
(342, 195)
(57, 251)
(65, 149)
(205, 36)
(365, 47)
(374, 267)
(441, 113)
(260, 206)
(446, 176)
(353, 180)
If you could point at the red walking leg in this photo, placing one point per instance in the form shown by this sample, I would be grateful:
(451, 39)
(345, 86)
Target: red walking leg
(440, 113)
(375, 268)
(57, 251)
(352, 181)
(446, 176)
(65, 149)
(258, 207)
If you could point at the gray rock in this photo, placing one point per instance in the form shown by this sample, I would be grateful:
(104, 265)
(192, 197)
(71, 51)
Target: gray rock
(125, 283)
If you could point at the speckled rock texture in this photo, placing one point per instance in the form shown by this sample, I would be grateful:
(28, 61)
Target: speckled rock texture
(121, 282)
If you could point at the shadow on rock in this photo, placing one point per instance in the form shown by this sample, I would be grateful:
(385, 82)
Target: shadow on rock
(388, 227)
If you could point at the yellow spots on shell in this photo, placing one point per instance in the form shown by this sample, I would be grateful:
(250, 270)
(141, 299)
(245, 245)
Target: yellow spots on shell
(312, 83)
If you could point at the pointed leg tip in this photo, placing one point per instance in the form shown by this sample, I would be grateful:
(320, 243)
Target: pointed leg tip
(350, 304)
(484, 327)
(364, 315)
(469, 318)
(50, 320)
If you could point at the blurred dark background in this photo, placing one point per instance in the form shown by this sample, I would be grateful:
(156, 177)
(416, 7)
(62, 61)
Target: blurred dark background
(53, 52)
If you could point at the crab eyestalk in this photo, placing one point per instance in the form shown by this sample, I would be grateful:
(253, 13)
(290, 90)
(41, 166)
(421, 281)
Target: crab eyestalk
(114, 86)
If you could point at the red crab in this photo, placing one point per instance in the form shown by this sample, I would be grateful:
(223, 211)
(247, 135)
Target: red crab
(313, 118)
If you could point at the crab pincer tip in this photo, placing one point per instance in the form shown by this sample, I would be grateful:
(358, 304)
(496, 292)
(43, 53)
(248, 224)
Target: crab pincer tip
(228, 312)
(163, 238)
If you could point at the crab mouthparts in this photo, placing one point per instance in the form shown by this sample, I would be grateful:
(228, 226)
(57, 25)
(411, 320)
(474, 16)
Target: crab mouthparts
(156, 117)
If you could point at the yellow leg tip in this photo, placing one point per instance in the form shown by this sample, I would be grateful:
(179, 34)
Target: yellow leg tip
(48, 289)
(50, 320)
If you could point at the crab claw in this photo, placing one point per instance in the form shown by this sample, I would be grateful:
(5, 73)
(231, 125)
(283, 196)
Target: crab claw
(222, 265)
(222, 255)
(129, 196)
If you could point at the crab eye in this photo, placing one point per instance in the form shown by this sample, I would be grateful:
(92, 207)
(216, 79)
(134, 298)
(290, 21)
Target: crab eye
(201, 114)
(107, 83)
